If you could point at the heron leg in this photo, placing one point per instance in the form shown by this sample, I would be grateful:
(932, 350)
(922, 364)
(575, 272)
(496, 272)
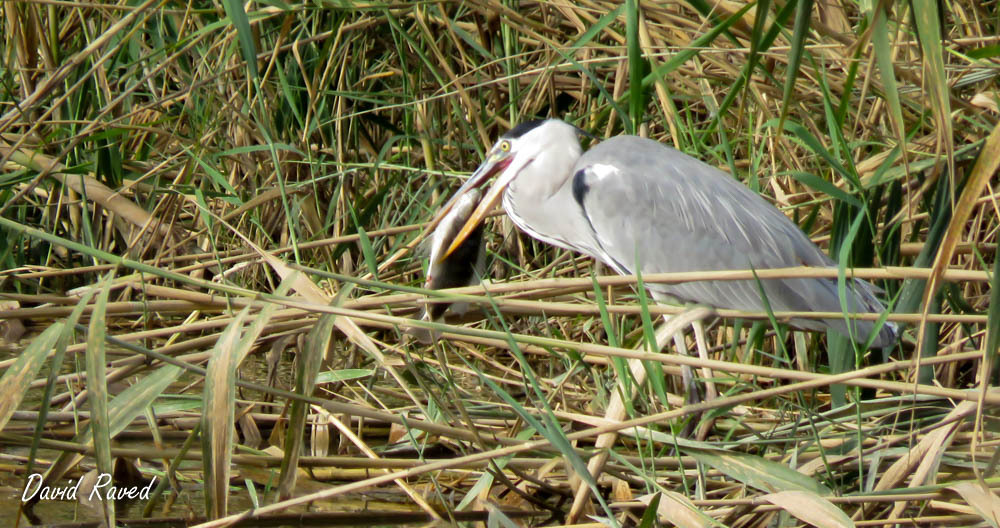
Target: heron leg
(695, 426)
(616, 407)
(691, 390)
(711, 392)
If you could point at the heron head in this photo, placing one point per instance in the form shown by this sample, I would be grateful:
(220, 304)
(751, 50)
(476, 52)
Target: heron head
(530, 145)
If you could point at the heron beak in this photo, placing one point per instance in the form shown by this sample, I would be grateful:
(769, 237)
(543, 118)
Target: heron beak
(485, 171)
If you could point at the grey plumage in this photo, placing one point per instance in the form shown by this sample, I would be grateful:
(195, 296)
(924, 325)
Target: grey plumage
(704, 220)
(638, 205)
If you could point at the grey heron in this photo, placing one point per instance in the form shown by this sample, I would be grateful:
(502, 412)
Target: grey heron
(639, 206)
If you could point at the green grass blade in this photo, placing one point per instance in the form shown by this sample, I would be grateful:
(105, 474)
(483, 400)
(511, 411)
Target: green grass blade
(18, 377)
(218, 412)
(97, 389)
(813, 144)
(649, 518)
(756, 43)
(887, 72)
(803, 14)
(844, 260)
(367, 251)
(654, 370)
(636, 66)
(819, 184)
(928, 26)
(778, 329)
(238, 16)
(755, 471)
(57, 361)
(602, 305)
(318, 342)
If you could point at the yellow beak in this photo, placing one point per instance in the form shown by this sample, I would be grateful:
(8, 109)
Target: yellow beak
(494, 163)
(485, 206)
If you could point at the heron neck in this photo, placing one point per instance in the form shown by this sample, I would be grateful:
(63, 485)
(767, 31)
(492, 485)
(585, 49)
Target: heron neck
(548, 172)
(538, 202)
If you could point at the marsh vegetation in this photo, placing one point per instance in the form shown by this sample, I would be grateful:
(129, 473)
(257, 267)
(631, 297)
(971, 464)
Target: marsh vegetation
(211, 217)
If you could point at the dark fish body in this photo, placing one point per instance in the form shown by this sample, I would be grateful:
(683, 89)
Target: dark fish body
(462, 267)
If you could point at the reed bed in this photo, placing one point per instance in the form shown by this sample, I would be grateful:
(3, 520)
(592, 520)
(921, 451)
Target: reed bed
(212, 217)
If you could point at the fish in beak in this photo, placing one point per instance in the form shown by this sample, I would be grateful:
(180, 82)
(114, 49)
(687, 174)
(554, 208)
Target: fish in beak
(466, 264)
(463, 267)
(497, 162)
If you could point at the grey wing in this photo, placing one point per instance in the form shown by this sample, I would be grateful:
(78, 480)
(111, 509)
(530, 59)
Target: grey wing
(653, 206)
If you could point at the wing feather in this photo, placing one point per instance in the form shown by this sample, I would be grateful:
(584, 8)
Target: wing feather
(671, 212)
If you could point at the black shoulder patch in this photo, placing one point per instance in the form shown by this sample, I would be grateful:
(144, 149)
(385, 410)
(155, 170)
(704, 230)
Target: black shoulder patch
(580, 187)
(523, 128)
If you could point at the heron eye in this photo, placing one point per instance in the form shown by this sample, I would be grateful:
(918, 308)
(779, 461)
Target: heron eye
(505, 146)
